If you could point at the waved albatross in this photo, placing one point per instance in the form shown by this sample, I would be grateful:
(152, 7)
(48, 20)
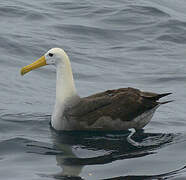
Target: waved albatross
(118, 109)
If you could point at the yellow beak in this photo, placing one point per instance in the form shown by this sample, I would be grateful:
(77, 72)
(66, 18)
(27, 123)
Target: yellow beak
(40, 62)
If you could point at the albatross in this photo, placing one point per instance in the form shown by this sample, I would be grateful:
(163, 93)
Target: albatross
(118, 109)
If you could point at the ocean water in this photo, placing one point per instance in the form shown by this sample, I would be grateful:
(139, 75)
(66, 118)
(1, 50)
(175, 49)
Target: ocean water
(111, 44)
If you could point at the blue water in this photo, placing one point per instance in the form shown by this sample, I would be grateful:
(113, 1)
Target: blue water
(111, 44)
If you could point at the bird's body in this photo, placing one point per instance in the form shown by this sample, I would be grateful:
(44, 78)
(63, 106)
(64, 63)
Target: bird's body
(118, 109)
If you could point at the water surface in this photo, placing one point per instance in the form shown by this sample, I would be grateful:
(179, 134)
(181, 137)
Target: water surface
(111, 44)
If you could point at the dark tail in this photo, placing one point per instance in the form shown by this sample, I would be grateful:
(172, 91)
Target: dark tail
(161, 95)
(165, 102)
(157, 97)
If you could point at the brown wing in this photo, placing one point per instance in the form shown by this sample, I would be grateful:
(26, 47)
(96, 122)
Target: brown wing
(124, 103)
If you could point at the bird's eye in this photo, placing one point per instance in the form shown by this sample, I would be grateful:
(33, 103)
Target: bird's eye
(50, 54)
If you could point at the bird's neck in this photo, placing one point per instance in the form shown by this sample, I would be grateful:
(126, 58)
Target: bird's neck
(65, 94)
(65, 88)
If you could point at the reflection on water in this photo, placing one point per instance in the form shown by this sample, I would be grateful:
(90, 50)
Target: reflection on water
(79, 149)
(168, 175)
(77, 153)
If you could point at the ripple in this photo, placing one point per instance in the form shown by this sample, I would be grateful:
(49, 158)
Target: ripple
(22, 124)
(173, 25)
(137, 15)
(85, 30)
(21, 117)
(148, 10)
(167, 79)
(19, 145)
(12, 11)
(167, 175)
(176, 38)
(34, 16)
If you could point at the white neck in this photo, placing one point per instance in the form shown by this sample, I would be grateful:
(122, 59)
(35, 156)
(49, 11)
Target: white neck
(65, 87)
(65, 93)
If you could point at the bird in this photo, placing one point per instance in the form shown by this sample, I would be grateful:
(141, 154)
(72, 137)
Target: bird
(117, 109)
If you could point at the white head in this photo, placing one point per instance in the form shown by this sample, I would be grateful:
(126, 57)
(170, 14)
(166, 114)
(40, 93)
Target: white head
(54, 56)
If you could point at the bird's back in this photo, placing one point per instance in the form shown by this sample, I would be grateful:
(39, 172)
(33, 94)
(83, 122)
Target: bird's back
(118, 109)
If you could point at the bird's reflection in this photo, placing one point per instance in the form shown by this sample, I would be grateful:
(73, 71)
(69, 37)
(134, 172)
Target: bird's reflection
(92, 148)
